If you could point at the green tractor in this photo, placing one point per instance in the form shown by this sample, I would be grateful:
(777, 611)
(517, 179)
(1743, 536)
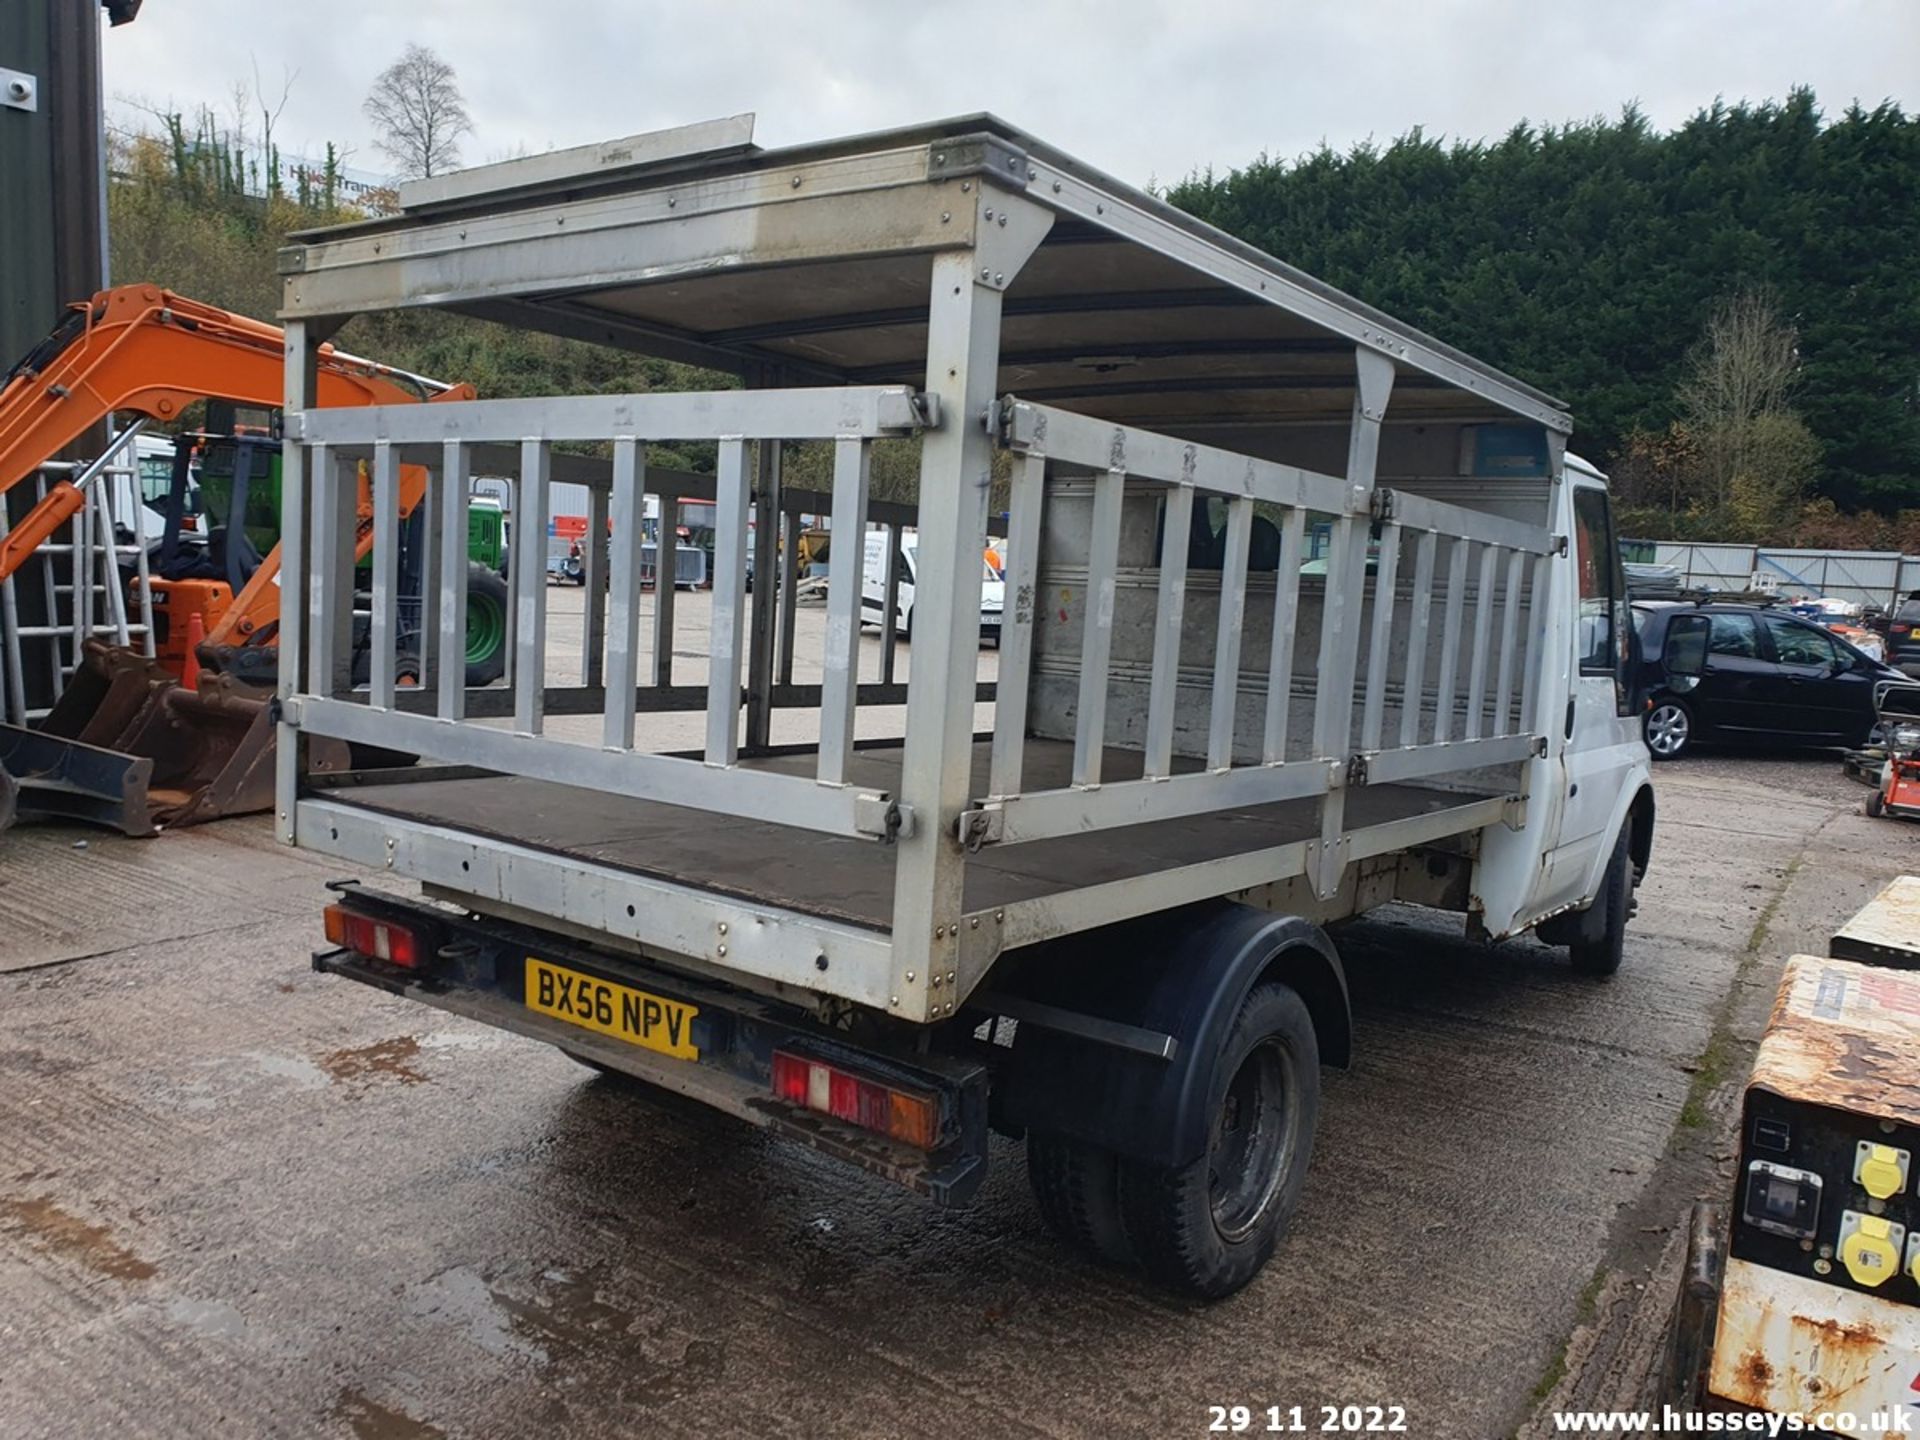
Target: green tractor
(247, 467)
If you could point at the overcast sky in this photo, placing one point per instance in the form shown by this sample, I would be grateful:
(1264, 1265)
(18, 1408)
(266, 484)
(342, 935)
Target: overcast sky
(1144, 89)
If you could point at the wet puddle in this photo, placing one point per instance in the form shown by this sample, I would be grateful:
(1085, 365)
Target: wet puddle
(60, 1233)
(370, 1420)
(385, 1059)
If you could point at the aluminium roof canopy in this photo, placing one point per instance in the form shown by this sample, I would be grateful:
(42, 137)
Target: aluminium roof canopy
(810, 264)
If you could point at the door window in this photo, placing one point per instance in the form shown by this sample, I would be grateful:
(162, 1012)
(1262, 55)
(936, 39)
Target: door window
(1734, 635)
(1602, 634)
(1796, 644)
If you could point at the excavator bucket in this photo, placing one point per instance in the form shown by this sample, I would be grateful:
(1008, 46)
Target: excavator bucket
(127, 745)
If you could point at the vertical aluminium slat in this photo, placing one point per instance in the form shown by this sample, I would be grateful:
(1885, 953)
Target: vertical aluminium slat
(1419, 622)
(1168, 622)
(890, 611)
(296, 575)
(1286, 608)
(331, 540)
(1386, 580)
(729, 614)
(452, 521)
(1531, 720)
(666, 589)
(839, 691)
(1016, 626)
(762, 604)
(623, 594)
(1096, 636)
(1448, 688)
(530, 588)
(425, 522)
(593, 571)
(1482, 641)
(1232, 626)
(789, 580)
(1509, 639)
(386, 573)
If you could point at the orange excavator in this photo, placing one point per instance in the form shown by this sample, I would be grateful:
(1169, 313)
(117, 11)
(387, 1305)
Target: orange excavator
(128, 743)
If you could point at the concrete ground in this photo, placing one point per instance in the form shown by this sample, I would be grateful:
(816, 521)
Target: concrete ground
(237, 1198)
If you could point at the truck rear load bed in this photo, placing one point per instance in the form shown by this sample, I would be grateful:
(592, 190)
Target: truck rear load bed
(1303, 612)
(852, 881)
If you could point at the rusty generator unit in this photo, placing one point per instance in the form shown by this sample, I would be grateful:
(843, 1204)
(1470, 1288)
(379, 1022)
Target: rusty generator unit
(1819, 1304)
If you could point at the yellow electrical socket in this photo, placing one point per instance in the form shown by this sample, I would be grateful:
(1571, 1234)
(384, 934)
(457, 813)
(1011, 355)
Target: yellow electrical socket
(1870, 1247)
(1880, 1170)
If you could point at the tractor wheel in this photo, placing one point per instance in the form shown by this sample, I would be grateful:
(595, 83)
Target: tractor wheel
(487, 602)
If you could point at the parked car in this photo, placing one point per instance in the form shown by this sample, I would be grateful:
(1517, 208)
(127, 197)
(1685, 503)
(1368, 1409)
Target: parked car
(873, 587)
(1746, 673)
(1903, 636)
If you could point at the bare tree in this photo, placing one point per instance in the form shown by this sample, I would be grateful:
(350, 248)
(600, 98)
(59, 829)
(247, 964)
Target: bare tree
(1740, 374)
(270, 117)
(420, 114)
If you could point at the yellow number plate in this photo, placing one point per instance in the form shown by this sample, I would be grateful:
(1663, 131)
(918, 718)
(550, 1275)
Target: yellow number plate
(617, 1010)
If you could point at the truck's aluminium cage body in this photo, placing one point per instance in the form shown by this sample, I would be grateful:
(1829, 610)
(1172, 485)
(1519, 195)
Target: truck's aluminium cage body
(1247, 716)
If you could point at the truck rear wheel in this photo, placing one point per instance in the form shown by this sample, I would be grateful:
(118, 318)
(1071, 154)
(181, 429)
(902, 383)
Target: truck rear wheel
(1208, 1226)
(1076, 1186)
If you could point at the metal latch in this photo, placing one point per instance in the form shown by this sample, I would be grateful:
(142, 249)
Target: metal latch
(1357, 770)
(882, 817)
(981, 827)
(1383, 504)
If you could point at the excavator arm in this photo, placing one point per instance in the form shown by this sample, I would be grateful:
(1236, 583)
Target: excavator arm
(143, 349)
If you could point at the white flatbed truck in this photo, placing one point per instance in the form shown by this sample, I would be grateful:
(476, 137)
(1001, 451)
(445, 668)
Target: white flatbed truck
(1305, 612)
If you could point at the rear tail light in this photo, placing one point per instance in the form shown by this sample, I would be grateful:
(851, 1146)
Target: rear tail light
(906, 1115)
(1900, 629)
(382, 939)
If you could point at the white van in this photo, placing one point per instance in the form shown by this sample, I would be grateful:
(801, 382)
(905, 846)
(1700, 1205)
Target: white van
(873, 587)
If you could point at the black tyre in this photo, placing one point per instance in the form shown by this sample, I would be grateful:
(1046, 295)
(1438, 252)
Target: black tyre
(1876, 805)
(1076, 1186)
(1668, 728)
(1207, 1227)
(1612, 906)
(9, 798)
(486, 625)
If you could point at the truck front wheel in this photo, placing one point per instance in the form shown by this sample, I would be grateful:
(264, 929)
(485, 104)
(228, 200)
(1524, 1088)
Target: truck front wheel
(1208, 1226)
(1602, 953)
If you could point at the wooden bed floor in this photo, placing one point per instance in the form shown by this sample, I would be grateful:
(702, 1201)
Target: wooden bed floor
(852, 880)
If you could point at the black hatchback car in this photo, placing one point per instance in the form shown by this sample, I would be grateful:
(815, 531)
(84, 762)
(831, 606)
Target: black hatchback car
(1744, 673)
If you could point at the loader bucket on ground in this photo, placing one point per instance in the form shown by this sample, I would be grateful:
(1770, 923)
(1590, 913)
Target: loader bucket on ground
(61, 779)
(188, 755)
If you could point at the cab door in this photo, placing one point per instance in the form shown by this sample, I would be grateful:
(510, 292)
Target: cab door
(1601, 747)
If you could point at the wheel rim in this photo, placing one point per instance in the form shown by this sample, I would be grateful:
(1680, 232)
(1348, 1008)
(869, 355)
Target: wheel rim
(1667, 729)
(486, 627)
(1254, 1133)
